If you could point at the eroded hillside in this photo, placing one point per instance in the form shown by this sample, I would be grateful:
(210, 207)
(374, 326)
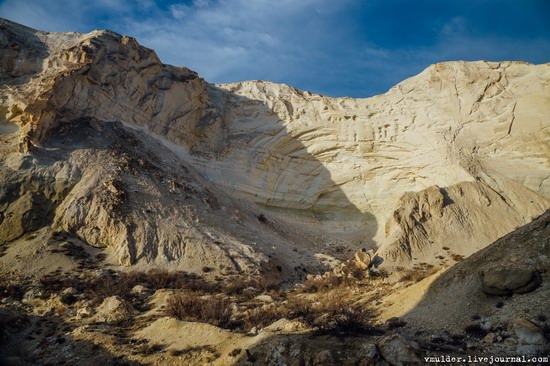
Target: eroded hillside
(140, 202)
(340, 166)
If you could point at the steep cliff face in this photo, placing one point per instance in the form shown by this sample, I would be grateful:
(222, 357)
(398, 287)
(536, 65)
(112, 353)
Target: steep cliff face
(454, 122)
(56, 78)
(338, 165)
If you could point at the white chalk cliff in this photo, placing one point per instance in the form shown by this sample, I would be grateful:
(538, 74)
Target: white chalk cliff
(359, 171)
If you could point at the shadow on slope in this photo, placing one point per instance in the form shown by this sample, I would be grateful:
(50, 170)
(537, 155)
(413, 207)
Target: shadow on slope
(457, 296)
(22, 53)
(48, 340)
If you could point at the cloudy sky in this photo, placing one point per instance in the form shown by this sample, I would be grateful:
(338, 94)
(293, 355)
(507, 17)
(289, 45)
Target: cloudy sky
(333, 47)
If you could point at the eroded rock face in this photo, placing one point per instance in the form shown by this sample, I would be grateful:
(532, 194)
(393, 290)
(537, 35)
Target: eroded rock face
(475, 130)
(441, 225)
(454, 122)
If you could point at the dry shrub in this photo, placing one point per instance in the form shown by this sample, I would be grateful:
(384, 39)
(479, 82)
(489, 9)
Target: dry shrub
(475, 330)
(263, 316)
(157, 279)
(193, 307)
(235, 352)
(121, 283)
(417, 274)
(347, 320)
(250, 286)
(457, 257)
(329, 316)
(340, 318)
(57, 281)
(149, 349)
(101, 287)
(209, 351)
(395, 322)
(413, 276)
(324, 283)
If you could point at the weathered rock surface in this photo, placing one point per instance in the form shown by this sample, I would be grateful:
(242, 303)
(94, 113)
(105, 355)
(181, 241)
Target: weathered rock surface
(508, 281)
(442, 225)
(399, 351)
(528, 333)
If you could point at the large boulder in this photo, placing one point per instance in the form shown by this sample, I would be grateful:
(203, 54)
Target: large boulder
(507, 281)
(398, 350)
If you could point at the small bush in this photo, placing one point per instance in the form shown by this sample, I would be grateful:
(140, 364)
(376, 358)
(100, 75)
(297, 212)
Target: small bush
(11, 287)
(457, 257)
(189, 351)
(192, 307)
(255, 285)
(394, 323)
(322, 284)
(121, 283)
(235, 352)
(343, 319)
(56, 282)
(106, 286)
(263, 316)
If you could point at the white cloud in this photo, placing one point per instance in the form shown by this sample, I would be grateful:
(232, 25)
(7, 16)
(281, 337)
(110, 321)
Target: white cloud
(179, 11)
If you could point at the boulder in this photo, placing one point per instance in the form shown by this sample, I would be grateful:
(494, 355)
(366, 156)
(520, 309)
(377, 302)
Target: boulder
(398, 350)
(140, 290)
(371, 351)
(507, 281)
(264, 298)
(528, 333)
(363, 259)
(323, 358)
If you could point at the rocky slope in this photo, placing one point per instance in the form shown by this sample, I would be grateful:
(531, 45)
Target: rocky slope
(340, 166)
(503, 285)
(84, 175)
(110, 159)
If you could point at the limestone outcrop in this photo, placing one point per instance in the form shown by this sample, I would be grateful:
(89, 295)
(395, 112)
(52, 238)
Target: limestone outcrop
(439, 226)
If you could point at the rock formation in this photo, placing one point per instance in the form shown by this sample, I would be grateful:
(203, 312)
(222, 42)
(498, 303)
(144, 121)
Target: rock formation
(220, 198)
(468, 141)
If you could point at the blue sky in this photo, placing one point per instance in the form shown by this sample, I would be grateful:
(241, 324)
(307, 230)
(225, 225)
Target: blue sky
(333, 47)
